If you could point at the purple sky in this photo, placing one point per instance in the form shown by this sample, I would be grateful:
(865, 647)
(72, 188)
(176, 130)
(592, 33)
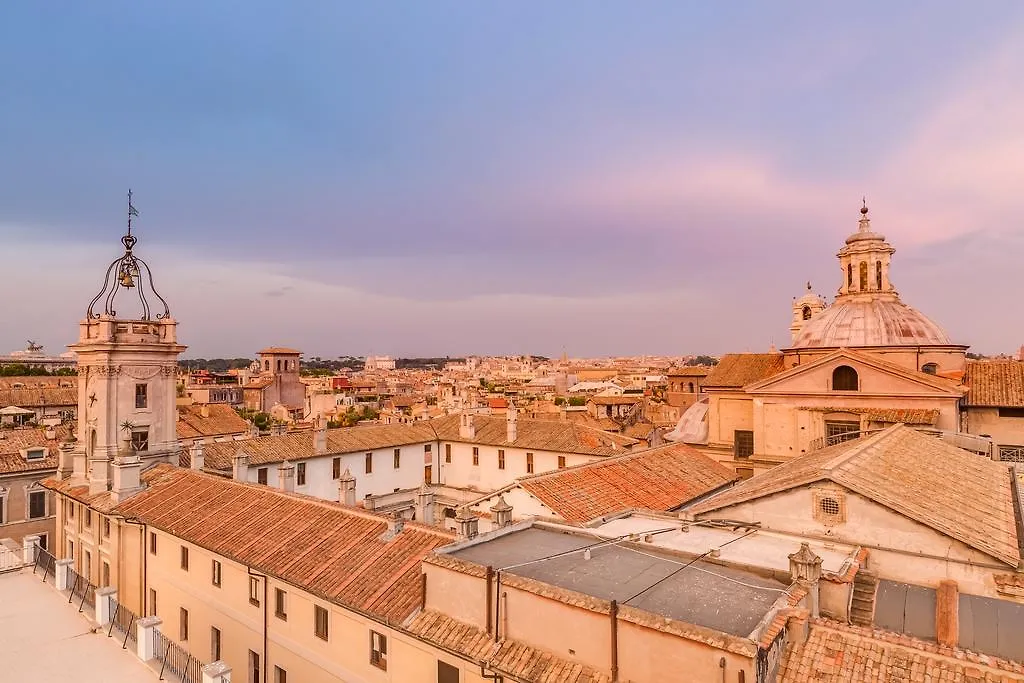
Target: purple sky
(448, 178)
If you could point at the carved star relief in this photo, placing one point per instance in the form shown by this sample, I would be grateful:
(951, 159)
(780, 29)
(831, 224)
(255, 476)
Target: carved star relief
(92, 398)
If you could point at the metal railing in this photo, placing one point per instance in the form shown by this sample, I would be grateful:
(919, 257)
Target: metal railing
(47, 563)
(125, 621)
(81, 590)
(176, 660)
(968, 442)
(1011, 453)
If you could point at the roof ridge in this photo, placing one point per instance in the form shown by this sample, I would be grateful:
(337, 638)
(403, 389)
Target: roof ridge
(860, 448)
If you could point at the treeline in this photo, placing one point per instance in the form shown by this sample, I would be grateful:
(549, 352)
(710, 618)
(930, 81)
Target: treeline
(425, 363)
(22, 370)
(215, 364)
(701, 360)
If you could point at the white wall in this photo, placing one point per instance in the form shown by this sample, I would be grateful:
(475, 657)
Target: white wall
(486, 476)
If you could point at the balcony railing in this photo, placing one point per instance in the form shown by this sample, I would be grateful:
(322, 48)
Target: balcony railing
(173, 659)
(968, 442)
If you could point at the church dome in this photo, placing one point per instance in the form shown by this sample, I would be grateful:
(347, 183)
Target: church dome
(869, 321)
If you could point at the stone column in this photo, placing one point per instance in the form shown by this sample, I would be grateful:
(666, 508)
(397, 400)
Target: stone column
(217, 672)
(148, 627)
(805, 568)
(106, 598)
(29, 546)
(62, 567)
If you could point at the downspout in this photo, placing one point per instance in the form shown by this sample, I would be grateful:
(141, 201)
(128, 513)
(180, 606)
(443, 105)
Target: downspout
(614, 612)
(497, 607)
(490, 595)
(264, 664)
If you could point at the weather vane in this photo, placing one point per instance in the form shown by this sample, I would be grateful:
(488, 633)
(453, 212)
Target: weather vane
(132, 211)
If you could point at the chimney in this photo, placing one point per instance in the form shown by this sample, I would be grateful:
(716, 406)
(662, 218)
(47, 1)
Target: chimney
(99, 466)
(805, 569)
(320, 436)
(468, 524)
(50, 433)
(240, 467)
(127, 479)
(204, 410)
(369, 503)
(467, 430)
(66, 462)
(502, 513)
(286, 476)
(196, 456)
(947, 613)
(510, 422)
(347, 488)
(425, 504)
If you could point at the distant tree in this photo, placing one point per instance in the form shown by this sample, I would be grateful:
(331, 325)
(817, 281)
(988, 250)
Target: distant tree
(577, 401)
(702, 360)
(976, 356)
(23, 370)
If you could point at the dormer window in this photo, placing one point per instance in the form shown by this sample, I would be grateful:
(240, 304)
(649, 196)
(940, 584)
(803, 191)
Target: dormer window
(930, 368)
(844, 378)
(34, 453)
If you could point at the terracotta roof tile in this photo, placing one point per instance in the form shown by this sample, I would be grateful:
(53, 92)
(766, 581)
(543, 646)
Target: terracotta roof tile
(660, 478)
(333, 551)
(910, 416)
(835, 652)
(12, 441)
(542, 435)
(220, 420)
(39, 396)
(691, 371)
(741, 369)
(511, 658)
(963, 495)
(995, 383)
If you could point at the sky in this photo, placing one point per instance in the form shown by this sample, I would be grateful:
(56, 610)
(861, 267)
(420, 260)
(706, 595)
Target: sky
(450, 178)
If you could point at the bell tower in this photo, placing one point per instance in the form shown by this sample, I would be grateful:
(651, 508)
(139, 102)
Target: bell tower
(864, 260)
(805, 308)
(127, 375)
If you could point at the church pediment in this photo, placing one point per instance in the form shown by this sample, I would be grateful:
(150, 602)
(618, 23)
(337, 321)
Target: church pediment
(853, 373)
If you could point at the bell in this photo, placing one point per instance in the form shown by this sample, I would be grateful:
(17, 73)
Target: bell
(127, 281)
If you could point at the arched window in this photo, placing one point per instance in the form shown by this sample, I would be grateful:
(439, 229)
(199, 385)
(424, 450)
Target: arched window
(849, 275)
(863, 276)
(844, 378)
(279, 365)
(691, 387)
(807, 313)
(266, 365)
(930, 368)
(878, 275)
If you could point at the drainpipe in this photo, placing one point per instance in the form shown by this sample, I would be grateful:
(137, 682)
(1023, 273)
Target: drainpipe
(614, 612)
(263, 664)
(490, 595)
(497, 607)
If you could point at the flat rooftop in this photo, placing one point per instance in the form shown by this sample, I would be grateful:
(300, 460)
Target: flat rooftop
(721, 598)
(761, 549)
(43, 638)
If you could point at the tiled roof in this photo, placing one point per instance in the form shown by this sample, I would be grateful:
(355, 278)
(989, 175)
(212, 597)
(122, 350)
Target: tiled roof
(13, 440)
(993, 383)
(691, 371)
(542, 435)
(741, 369)
(220, 420)
(279, 349)
(660, 478)
(39, 396)
(960, 494)
(838, 653)
(299, 446)
(338, 553)
(508, 657)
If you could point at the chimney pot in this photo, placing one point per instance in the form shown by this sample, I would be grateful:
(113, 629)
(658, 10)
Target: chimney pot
(286, 476)
(240, 467)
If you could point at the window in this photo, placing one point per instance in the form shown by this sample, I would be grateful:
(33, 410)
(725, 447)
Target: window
(152, 543)
(878, 275)
(266, 366)
(369, 463)
(35, 453)
(254, 658)
(561, 462)
(280, 608)
(446, 673)
(215, 578)
(140, 440)
(42, 537)
(829, 506)
(447, 452)
(844, 378)
(105, 575)
(3, 506)
(87, 565)
(529, 463)
(930, 368)
(214, 643)
(261, 476)
(70, 509)
(254, 591)
(280, 675)
(501, 459)
(71, 550)
(379, 650)
(320, 625)
(476, 455)
(838, 432)
(336, 468)
(152, 602)
(36, 504)
(141, 396)
(742, 443)
(183, 624)
(863, 276)
(300, 474)
(106, 527)
(428, 448)
(184, 558)
(1011, 453)
(398, 458)
(806, 313)
(428, 474)
(88, 518)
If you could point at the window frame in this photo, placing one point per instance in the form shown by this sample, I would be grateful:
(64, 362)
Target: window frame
(300, 474)
(322, 617)
(476, 456)
(379, 650)
(261, 475)
(182, 625)
(152, 543)
(281, 604)
(845, 373)
(254, 591)
(336, 468)
(184, 557)
(740, 448)
(398, 458)
(140, 440)
(368, 463)
(561, 462)
(501, 458)
(141, 397)
(447, 453)
(215, 644)
(34, 496)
